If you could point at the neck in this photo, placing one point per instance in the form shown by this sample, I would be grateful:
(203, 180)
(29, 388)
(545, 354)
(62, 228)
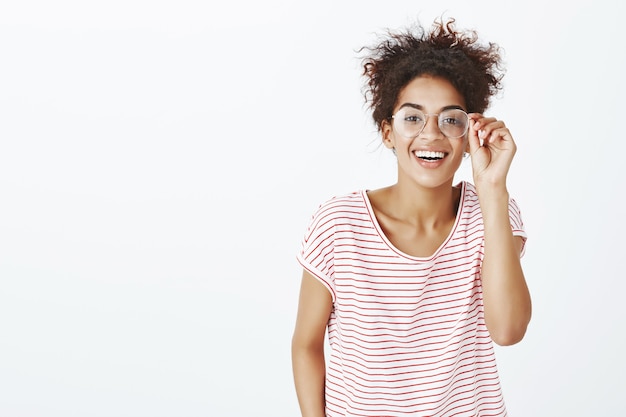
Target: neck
(428, 207)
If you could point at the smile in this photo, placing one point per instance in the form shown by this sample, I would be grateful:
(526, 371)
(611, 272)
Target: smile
(429, 155)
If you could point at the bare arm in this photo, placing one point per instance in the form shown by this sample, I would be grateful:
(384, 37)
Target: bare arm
(505, 294)
(307, 346)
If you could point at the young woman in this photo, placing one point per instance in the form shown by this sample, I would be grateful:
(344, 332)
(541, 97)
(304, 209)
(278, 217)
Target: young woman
(414, 282)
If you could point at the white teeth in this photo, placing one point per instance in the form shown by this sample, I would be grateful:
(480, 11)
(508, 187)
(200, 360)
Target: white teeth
(429, 154)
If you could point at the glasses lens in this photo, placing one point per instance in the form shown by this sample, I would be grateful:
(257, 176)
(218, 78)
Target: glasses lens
(409, 122)
(453, 123)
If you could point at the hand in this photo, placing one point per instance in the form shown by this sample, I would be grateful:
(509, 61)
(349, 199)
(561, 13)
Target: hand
(491, 148)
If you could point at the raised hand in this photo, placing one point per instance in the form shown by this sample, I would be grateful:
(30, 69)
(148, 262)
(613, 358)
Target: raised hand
(492, 149)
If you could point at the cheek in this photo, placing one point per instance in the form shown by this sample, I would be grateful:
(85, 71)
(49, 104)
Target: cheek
(465, 144)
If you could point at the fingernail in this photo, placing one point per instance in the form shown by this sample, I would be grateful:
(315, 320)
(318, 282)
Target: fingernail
(481, 134)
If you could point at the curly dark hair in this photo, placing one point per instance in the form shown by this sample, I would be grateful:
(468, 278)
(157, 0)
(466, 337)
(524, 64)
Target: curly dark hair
(474, 69)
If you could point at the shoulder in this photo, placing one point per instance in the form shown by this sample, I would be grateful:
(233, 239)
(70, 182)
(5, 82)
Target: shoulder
(471, 196)
(471, 205)
(340, 211)
(344, 203)
(468, 189)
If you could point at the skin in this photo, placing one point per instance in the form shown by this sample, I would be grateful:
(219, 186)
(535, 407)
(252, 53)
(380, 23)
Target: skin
(417, 214)
(307, 347)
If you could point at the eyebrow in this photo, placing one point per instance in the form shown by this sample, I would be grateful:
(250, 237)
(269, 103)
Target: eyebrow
(421, 108)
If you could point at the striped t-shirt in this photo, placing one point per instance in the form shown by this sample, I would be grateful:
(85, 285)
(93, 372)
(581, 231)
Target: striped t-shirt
(407, 334)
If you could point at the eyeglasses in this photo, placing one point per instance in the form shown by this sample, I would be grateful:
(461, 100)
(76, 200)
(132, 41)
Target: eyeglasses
(410, 122)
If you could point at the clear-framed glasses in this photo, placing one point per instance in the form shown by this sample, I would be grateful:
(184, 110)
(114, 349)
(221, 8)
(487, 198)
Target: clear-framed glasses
(410, 122)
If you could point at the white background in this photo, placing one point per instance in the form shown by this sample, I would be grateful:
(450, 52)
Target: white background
(159, 161)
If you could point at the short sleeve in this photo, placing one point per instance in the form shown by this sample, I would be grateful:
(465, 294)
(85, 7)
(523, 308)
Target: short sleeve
(317, 251)
(517, 225)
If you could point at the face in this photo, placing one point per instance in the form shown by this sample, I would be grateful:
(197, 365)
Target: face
(431, 158)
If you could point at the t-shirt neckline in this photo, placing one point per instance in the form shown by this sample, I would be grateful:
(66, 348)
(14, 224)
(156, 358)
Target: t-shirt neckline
(383, 236)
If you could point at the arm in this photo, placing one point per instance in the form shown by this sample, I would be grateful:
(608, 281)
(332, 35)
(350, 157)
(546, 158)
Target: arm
(506, 297)
(307, 346)
(505, 294)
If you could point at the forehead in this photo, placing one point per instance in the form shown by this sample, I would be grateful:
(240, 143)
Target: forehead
(430, 93)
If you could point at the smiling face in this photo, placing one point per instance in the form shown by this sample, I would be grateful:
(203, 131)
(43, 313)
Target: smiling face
(430, 159)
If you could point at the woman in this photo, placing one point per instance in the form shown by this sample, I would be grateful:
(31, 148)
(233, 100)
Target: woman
(414, 282)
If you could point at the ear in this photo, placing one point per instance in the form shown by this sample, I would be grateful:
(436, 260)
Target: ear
(387, 133)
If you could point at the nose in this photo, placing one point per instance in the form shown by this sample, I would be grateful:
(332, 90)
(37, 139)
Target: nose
(431, 127)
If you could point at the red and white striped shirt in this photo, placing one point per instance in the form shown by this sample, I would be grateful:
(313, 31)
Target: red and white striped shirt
(407, 334)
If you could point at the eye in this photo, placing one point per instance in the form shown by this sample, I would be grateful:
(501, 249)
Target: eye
(413, 118)
(451, 121)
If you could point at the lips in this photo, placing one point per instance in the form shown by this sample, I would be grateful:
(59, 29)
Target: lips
(429, 155)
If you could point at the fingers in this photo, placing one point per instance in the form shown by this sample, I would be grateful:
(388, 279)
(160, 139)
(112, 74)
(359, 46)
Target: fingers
(487, 129)
(473, 139)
